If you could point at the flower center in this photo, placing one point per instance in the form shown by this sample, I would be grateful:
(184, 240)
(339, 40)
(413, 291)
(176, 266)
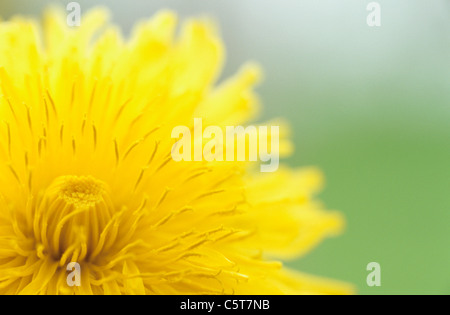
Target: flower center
(80, 191)
(72, 215)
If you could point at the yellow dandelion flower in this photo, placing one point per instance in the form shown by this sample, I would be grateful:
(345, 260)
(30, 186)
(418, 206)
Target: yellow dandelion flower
(86, 173)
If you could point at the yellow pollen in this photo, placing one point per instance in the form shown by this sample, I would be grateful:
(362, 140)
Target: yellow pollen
(81, 191)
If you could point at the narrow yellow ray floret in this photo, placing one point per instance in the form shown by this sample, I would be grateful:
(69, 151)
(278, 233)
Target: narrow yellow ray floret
(86, 173)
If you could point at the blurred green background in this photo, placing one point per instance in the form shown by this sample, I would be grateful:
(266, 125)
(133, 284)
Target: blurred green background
(369, 105)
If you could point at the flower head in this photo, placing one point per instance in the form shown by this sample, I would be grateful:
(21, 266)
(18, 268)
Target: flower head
(86, 173)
